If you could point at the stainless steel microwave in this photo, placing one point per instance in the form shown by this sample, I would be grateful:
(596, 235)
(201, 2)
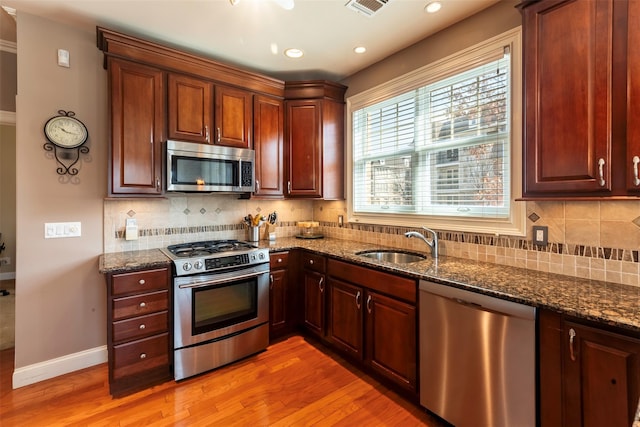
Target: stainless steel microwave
(202, 168)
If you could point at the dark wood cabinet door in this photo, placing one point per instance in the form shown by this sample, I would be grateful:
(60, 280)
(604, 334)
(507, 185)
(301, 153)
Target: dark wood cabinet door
(345, 320)
(567, 109)
(268, 142)
(233, 118)
(278, 301)
(391, 347)
(190, 109)
(137, 128)
(304, 148)
(314, 303)
(601, 377)
(633, 98)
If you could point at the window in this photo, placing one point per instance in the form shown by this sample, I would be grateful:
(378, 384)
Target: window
(442, 145)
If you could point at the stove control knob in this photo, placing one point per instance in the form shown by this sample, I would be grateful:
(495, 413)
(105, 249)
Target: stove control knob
(186, 266)
(198, 265)
(261, 255)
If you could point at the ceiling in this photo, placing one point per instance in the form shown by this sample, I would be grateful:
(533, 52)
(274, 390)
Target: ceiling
(254, 33)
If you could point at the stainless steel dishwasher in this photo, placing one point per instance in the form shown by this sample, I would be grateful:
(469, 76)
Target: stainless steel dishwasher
(477, 358)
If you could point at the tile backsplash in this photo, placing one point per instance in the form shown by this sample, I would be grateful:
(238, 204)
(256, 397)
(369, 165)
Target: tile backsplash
(593, 240)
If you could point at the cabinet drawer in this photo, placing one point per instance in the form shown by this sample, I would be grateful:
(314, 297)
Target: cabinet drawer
(139, 327)
(139, 356)
(279, 260)
(399, 287)
(139, 281)
(139, 305)
(313, 262)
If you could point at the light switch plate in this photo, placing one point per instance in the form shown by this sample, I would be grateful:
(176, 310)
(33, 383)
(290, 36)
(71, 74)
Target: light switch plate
(57, 230)
(540, 235)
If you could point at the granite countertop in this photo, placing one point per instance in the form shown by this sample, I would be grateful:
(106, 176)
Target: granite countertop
(604, 302)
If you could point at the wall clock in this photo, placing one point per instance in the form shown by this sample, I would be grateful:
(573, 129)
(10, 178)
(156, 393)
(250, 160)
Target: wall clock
(67, 133)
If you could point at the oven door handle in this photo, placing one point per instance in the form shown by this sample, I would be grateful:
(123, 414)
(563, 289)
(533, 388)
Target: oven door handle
(221, 281)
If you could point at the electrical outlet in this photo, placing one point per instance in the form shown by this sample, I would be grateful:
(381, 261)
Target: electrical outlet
(540, 235)
(340, 220)
(5, 261)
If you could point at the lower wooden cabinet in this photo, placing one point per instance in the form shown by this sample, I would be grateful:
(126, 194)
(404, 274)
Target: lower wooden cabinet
(138, 333)
(313, 280)
(372, 318)
(281, 296)
(589, 376)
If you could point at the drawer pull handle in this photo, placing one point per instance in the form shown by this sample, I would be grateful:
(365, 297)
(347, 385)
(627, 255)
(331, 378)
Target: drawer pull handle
(143, 304)
(572, 337)
(141, 281)
(311, 261)
(142, 326)
(279, 259)
(601, 181)
(143, 355)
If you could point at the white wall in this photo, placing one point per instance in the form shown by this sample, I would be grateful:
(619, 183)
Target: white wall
(60, 296)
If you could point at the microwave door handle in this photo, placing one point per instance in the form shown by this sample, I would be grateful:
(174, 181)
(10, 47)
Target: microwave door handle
(220, 281)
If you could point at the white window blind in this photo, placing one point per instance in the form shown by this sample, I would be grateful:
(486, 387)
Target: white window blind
(438, 149)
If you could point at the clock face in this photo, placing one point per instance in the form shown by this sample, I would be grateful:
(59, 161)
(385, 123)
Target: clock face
(66, 132)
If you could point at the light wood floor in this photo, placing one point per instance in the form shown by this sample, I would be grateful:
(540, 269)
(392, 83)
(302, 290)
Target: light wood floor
(293, 383)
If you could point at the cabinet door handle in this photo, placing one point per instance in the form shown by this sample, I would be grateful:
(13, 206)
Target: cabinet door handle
(358, 300)
(636, 160)
(158, 184)
(289, 187)
(602, 182)
(219, 134)
(257, 185)
(271, 281)
(572, 336)
(369, 304)
(321, 284)
(206, 134)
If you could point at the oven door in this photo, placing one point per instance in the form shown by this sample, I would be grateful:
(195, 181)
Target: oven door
(211, 306)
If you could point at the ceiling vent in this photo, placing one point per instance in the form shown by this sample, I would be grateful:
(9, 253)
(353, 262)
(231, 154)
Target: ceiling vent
(366, 7)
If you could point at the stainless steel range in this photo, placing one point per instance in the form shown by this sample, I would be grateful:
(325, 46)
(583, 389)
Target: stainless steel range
(221, 303)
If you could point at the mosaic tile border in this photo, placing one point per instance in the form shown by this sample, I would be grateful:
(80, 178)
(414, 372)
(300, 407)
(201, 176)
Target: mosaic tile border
(507, 242)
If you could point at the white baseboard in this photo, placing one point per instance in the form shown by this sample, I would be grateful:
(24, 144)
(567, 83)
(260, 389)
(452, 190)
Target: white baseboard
(59, 366)
(8, 276)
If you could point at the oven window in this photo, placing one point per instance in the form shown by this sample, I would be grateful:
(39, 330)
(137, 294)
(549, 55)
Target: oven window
(218, 307)
(188, 170)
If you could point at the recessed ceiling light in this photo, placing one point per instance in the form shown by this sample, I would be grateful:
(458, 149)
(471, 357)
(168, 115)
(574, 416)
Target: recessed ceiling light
(293, 53)
(360, 49)
(433, 7)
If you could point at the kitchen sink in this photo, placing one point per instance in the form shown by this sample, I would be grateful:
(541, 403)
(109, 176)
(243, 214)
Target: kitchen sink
(398, 257)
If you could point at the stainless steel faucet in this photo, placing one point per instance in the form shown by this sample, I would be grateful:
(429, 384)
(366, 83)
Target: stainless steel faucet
(433, 244)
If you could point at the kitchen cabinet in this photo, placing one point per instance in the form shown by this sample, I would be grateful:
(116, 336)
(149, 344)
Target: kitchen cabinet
(589, 376)
(580, 138)
(313, 279)
(281, 296)
(373, 318)
(194, 117)
(314, 139)
(138, 334)
(190, 109)
(346, 320)
(268, 140)
(137, 128)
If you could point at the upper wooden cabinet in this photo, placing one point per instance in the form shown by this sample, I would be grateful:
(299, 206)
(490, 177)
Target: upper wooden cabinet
(268, 138)
(137, 128)
(194, 117)
(190, 109)
(314, 139)
(579, 141)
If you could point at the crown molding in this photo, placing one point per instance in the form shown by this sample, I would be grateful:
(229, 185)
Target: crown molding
(7, 117)
(7, 46)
